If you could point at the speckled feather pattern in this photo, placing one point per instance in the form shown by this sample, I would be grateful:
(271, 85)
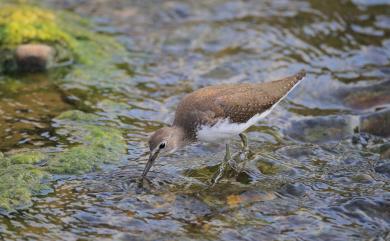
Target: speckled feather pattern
(237, 103)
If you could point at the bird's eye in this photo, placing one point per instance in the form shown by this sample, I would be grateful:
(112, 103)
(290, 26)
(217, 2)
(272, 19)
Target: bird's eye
(162, 145)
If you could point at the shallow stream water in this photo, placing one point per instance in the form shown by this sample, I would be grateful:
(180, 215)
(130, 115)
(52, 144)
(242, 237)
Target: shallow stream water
(312, 174)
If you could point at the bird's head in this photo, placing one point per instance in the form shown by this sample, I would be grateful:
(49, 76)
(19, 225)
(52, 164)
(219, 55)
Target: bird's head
(162, 142)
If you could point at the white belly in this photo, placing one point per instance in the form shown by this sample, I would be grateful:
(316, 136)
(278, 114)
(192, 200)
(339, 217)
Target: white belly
(224, 129)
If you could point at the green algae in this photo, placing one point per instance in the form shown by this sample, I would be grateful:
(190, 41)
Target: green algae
(76, 115)
(90, 141)
(20, 180)
(24, 24)
(9, 86)
(18, 184)
(70, 35)
(98, 144)
(22, 173)
(101, 145)
(21, 157)
(32, 157)
(268, 168)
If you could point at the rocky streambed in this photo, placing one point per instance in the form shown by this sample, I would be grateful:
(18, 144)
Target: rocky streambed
(73, 137)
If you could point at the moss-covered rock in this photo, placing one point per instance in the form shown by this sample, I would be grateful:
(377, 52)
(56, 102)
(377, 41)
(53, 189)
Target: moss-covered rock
(69, 36)
(92, 144)
(20, 180)
(18, 184)
(32, 157)
(268, 168)
(30, 37)
(101, 145)
(98, 144)
(21, 24)
(77, 116)
(88, 140)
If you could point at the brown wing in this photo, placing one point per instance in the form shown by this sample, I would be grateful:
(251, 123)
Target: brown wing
(242, 103)
(239, 102)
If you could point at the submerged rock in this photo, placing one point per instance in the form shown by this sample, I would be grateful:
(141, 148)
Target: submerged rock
(384, 151)
(27, 157)
(98, 144)
(20, 179)
(102, 145)
(322, 129)
(22, 173)
(377, 123)
(361, 98)
(268, 167)
(295, 189)
(384, 168)
(386, 154)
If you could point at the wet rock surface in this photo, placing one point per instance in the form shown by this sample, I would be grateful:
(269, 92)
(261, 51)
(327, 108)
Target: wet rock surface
(323, 129)
(36, 39)
(33, 57)
(369, 97)
(383, 168)
(28, 36)
(377, 123)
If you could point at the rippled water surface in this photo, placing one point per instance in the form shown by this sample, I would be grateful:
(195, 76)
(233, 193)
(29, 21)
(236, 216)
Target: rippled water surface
(311, 176)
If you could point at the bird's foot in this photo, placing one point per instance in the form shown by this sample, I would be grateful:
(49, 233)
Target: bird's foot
(141, 182)
(218, 174)
(225, 168)
(233, 165)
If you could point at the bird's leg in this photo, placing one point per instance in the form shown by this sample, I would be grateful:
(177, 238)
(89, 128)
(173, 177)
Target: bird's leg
(244, 141)
(223, 167)
(245, 151)
(244, 154)
(228, 155)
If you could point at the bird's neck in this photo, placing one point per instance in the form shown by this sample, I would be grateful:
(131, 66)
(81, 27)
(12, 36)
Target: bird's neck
(181, 138)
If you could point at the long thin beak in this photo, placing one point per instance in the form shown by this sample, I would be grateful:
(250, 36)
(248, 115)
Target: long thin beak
(149, 164)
